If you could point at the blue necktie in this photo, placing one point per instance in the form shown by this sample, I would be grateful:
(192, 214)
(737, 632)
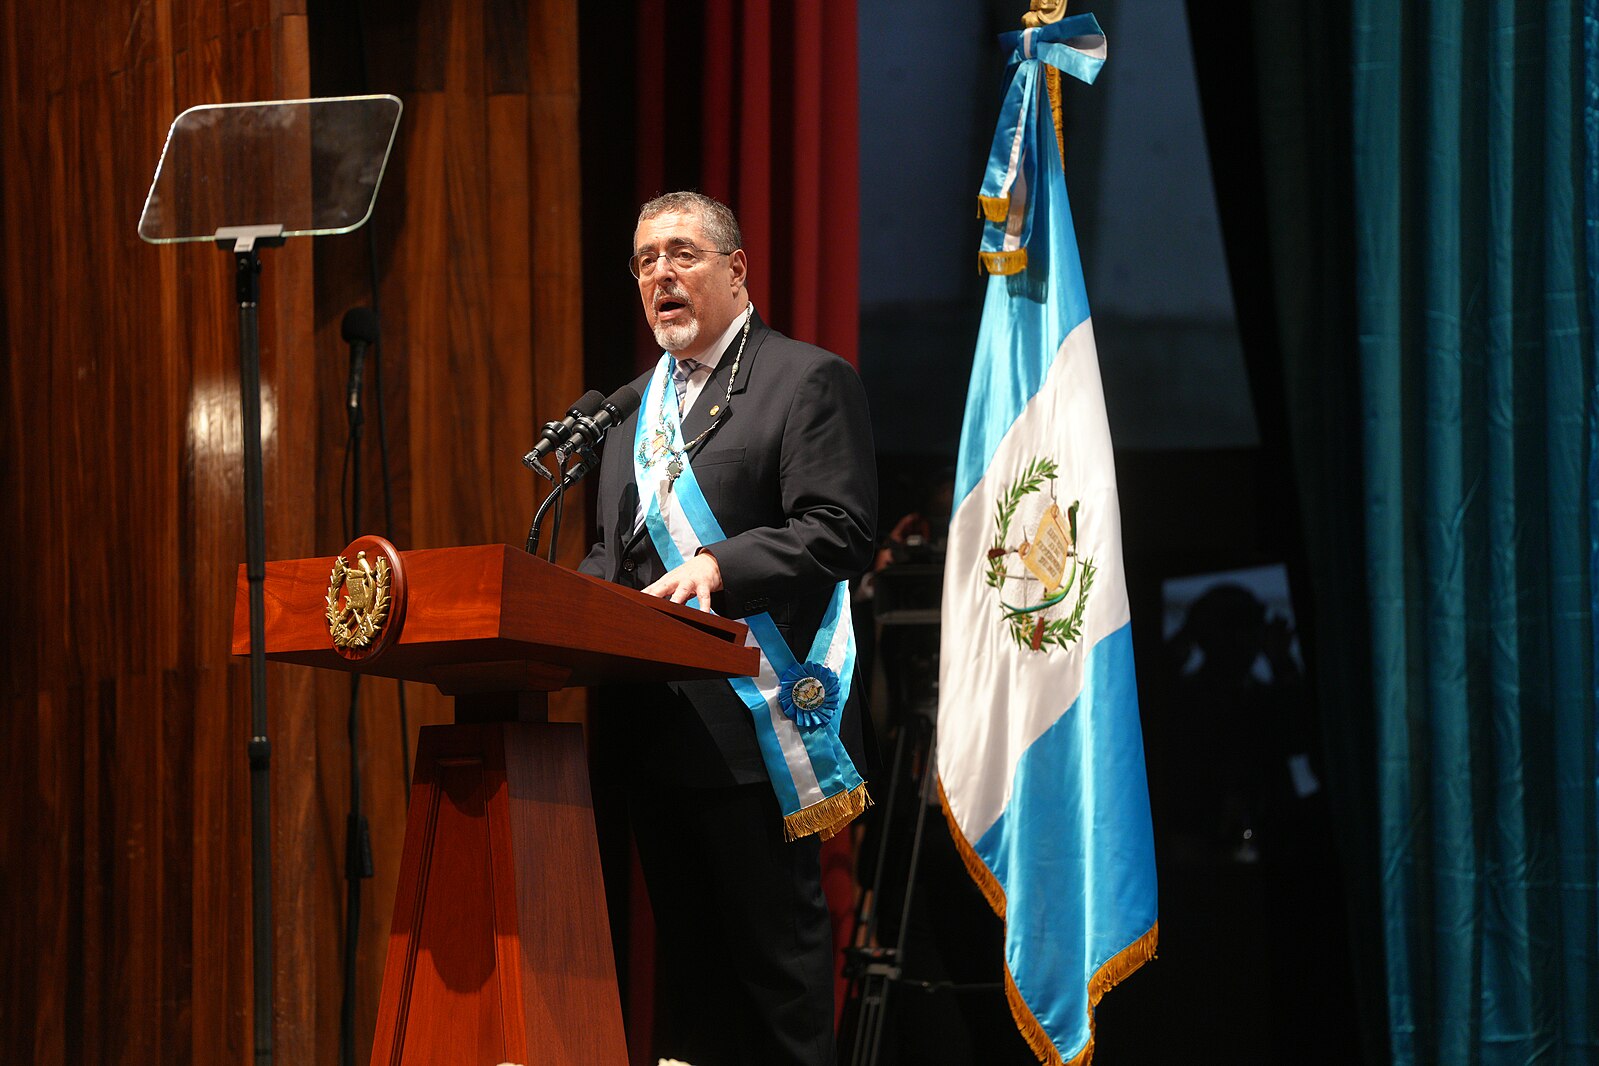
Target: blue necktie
(680, 374)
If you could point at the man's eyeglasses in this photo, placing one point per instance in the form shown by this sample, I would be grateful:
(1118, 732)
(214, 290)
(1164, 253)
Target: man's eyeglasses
(684, 257)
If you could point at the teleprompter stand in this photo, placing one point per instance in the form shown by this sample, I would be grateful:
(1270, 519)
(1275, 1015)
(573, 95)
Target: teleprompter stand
(247, 176)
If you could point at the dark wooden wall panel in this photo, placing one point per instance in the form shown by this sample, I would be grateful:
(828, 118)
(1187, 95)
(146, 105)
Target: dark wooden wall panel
(125, 895)
(116, 354)
(478, 250)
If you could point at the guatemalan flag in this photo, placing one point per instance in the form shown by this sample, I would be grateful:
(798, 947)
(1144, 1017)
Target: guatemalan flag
(1040, 754)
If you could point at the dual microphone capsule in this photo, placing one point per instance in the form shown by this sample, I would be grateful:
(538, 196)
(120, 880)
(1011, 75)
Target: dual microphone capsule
(584, 426)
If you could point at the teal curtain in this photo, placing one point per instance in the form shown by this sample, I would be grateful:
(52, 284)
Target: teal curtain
(1475, 357)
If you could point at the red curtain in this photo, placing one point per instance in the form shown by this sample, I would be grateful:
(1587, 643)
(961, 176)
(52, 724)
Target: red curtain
(778, 134)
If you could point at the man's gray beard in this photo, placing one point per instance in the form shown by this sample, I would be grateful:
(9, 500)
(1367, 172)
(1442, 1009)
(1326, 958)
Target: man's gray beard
(675, 336)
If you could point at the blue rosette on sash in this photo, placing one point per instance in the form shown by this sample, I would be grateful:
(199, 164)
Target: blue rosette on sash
(793, 703)
(808, 693)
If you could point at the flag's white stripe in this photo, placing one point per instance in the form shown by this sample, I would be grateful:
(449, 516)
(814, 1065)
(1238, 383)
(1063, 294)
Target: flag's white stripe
(979, 747)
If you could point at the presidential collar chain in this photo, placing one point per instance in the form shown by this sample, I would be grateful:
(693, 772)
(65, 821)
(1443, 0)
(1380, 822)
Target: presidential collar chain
(659, 444)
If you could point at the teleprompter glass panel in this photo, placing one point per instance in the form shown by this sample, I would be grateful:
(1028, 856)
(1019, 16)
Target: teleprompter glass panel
(310, 166)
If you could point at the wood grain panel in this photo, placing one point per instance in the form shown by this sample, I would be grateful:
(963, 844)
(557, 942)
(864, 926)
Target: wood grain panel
(126, 720)
(466, 274)
(134, 923)
(556, 234)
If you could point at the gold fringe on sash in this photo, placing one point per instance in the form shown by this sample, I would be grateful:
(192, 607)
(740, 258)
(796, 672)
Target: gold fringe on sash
(1011, 262)
(995, 208)
(1123, 963)
(828, 817)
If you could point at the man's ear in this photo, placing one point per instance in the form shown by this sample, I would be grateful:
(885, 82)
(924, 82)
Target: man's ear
(739, 266)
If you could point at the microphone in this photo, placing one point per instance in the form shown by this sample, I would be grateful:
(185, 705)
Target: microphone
(555, 433)
(588, 432)
(359, 329)
(584, 434)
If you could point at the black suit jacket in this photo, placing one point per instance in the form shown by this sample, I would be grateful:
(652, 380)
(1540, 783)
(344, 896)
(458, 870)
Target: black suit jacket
(790, 473)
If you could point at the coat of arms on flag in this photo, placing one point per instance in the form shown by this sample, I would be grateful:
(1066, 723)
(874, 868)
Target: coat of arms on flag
(1040, 751)
(1032, 600)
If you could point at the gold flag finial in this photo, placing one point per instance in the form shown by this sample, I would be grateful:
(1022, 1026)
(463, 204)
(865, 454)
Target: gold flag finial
(1043, 12)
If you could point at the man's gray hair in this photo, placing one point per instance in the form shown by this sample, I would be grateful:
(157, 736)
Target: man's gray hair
(716, 218)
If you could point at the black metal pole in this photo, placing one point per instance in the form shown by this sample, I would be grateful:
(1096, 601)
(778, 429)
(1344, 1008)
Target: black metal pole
(877, 964)
(247, 281)
(357, 839)
(925, 795)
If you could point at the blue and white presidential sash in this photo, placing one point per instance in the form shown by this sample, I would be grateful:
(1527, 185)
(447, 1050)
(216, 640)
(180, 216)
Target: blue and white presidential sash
(795, 705)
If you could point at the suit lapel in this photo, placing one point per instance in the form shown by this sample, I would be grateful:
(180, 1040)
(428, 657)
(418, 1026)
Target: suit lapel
(699, 418)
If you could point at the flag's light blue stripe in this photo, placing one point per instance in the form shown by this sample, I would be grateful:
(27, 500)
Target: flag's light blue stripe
(1073, 850)
(1078, 64)
(1026, 316)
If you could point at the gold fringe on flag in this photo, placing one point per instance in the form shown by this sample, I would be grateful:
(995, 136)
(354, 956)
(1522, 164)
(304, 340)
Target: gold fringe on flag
(1116, 970)
(828, 817)
(995, 208)
(987, 883)
(1052, 84)
(1109, 976)
(1011, 262)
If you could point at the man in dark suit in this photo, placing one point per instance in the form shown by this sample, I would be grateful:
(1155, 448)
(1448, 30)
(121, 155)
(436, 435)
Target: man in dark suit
(774, 436)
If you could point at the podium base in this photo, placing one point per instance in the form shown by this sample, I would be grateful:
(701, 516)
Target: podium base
(500, 949)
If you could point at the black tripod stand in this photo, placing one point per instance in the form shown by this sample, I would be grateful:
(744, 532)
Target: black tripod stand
(874, 967)
(907, 840)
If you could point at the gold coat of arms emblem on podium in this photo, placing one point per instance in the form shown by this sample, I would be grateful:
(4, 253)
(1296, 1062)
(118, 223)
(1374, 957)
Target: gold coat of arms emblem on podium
(354, 622)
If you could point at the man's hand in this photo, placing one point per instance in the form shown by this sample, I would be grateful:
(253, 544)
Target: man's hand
(697, 578)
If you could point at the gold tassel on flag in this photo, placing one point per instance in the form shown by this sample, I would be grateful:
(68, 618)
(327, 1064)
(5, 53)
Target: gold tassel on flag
(994, 208)
(1011, 262)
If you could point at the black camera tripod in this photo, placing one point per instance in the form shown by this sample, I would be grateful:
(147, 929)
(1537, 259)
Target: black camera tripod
(908, 617)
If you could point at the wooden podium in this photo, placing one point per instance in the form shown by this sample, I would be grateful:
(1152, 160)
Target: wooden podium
(500, 950)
